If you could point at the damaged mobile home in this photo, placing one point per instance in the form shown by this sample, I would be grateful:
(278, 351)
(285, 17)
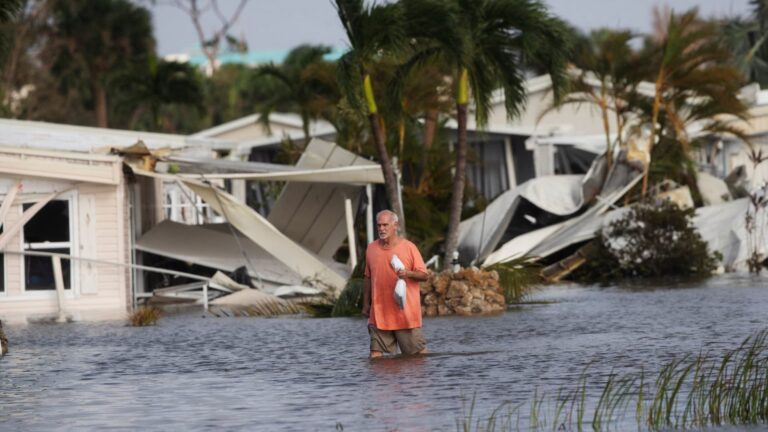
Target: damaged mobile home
(552, 212)
(86, 212)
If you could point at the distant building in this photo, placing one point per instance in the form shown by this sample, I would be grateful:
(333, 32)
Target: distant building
(252, 58)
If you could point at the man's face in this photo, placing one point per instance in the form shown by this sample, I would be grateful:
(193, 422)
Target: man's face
(385, 226)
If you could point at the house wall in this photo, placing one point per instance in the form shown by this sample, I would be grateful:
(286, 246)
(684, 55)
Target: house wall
(256, 131)
(576, 119)
(99, 230)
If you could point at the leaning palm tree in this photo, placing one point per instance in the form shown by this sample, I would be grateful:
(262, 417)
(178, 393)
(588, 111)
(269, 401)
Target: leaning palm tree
(694, 83)
(485, 42)
(302, 85)
(373, 31)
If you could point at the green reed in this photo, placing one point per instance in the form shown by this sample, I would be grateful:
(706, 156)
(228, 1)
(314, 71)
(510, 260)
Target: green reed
(695, 391)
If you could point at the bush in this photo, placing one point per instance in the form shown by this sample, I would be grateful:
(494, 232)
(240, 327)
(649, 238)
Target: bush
(649, 241)
(144, 316)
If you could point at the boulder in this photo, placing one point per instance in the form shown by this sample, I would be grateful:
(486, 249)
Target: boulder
(441, 283)
(467, 299)
(470, 291)
(463, 310)
(430, 310)
(457, 289)
(430, 300)
(443, 309)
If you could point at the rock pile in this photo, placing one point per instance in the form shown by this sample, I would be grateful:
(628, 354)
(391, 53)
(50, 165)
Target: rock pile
(470, 291)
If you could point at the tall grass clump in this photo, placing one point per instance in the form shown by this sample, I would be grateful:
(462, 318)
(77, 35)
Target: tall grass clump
(692, 392)
(144, 316)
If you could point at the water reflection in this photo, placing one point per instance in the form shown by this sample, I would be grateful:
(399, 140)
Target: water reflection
(307, 374)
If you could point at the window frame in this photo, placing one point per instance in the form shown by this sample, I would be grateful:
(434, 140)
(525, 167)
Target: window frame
(73, 290)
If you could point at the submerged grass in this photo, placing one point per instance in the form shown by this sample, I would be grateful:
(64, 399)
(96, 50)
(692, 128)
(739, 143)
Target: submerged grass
(691, 392)
(144, 316)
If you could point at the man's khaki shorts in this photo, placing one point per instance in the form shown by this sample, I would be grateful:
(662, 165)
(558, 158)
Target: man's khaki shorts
(410, 341)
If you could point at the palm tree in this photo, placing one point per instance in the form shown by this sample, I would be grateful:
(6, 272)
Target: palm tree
(92, 40)
(485, 42)
(746, 38)
(372, 31)
(608, 74)
(155, 85)
(8, 11)
(304, 85)
(694, 83)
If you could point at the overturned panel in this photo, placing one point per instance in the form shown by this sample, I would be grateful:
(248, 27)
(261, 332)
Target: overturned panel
(214, 246)
(481, 234)
(260, 231)
(312, 214)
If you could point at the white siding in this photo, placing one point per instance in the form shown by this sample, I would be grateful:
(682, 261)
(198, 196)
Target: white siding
(102, 291)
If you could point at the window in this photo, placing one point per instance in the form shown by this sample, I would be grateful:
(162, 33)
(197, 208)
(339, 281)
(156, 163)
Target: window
(48, 231)
(487, 168)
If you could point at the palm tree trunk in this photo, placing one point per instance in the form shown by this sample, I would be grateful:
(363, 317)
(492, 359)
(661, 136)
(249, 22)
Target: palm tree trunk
(619, 126)
(607, 128)
(390, 181)
(305, 127)
(457, 194)
(430, 127)
(654, 119)
(101, 104)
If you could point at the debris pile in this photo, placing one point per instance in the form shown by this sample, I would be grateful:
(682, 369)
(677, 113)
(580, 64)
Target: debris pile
(470, 291)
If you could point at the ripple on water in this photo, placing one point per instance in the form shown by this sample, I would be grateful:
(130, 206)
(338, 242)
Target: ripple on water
(308, 374)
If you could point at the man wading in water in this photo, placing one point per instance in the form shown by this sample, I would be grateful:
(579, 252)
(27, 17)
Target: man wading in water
(388, 324)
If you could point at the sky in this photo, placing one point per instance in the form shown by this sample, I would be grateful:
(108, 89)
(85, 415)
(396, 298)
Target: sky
(277, 25)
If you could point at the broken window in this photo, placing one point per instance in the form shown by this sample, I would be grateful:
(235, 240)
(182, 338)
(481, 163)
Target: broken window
(48, 231)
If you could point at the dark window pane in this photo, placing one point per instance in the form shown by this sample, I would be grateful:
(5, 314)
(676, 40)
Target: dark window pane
(51, 223)
(39, 271)
(487, 168)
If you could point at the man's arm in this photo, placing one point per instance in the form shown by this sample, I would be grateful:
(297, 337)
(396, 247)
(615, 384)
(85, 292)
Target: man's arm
(367, 296)
(413, 274)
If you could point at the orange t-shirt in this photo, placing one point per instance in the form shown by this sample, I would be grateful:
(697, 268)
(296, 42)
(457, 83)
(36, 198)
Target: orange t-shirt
(385, 313)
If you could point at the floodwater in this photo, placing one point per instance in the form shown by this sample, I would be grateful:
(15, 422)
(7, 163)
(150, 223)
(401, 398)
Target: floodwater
(294, 373)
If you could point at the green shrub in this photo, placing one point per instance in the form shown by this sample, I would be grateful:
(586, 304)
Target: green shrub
(649, 241)
(350, 301)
